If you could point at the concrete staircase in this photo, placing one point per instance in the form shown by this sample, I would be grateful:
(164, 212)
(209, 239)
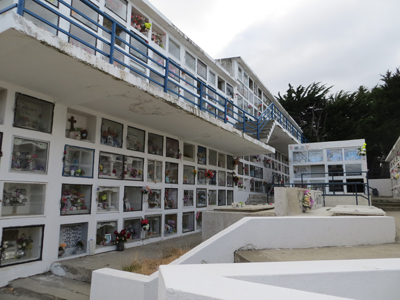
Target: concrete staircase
(386, 203)
(256, 199)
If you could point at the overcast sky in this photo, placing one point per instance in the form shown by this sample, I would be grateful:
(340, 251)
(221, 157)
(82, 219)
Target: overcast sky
(344, 43)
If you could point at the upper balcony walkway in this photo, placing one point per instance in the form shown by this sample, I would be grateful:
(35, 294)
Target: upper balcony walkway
(148, 87)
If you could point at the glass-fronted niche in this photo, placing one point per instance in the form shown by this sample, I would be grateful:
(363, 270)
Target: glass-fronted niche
(154, 170)
(116, 166)
(188, 198)
(105, 233)
(172, 148)
(75, 199)
(155, 144)
(29, 155)
(201, 198)
(187, 221)
(171, 173)
(189, 174)
(135, 139)
(154, 226)
(170, 224)
(21, 244)
(107, 199)
(32, 113)
(23, 199)
(111, 133)
(133, 227)
(308, 156)
(78, 161)
(212, 197)
(133, 198)
(199, 220)
(154, 199)
(73, 239)
(171, 199)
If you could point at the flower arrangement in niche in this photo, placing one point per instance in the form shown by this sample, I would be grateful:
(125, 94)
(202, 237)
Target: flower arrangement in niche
(158, 38)
(307, 200)
(24, 243)
(235, 178)
(362, 151)
(209, 174)
(140, 23)
(80, 244)
(194, 172)
(146, 190)
(145, 224)
(62, 246)
(121, 237)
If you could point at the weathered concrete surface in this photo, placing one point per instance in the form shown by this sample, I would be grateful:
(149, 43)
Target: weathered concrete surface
(216, 221)
(245, 208)
(356, 210)
(396, 216)
(324, 253)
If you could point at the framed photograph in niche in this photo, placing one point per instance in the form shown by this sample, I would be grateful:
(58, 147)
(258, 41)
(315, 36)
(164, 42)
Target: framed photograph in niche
(201, 155)
(111, 133)
(155, 144)
(135, 139)
(29, 155)
(21, 245)
(32, 113)
(172, 148)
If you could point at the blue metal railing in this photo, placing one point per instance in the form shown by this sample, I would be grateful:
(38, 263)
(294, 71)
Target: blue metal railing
(185, 86)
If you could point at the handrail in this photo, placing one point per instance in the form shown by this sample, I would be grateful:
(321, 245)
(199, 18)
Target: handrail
(198, 93)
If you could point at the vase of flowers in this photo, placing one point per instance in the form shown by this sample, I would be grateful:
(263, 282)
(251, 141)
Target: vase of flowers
(121, 238)
(307, 201)
(145, 224)
(61, 249)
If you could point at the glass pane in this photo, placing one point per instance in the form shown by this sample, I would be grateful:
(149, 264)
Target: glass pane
(171, 173)
(171, 199)
(40, 11)
(174, 49)
(78, 162)
(21, 244)
(170, 226)
(221, 197)
(119, 7)
(212, 197)
(75, 199)
(154, 226)
(140, 50)
(134, 228)
(221, 178)
(133, 198)
(155, 144)
(201, 198)
(315, 156)
(334, 154)
(21, 199)
(111, 165)
(107, 199)
(201, 176)
(188, 198)
(87, 11)
(104, 233)
(190, 61)
(213, 157)
(133, 168)
(135, 139)
(221, 160)
(154, 199)
(300, 156)
(353, 170)
(351, 154)
(172, 148)
(188, 222)
(201, 155)
(111, 133)
(29, 156)
(202, 69)
(188, 174)
(32, 113)
(335, 170)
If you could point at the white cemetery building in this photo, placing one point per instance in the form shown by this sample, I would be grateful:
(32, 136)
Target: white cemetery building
(338, 168)
(394, 159)
(97, 135)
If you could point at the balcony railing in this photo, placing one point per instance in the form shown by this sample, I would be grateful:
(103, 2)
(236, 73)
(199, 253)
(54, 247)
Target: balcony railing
(167, 75)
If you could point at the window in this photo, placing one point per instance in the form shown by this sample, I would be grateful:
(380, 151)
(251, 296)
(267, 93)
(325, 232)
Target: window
(174, 49)
(353, 170)
(118, 31)
(202, 69)
(42, 12)
(335, 170)
(229, 90)
(119, 7)
(21, 244)
(190, 61)
(221, 84)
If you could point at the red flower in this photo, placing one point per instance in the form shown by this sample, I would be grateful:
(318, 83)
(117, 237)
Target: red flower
(114, 171)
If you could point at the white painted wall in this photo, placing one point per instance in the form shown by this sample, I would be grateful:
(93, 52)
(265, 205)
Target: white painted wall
(278, 232)
(383, 186)
(322, 280)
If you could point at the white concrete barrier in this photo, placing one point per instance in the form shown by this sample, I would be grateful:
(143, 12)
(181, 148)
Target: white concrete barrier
(254, 233)
(323, 280)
